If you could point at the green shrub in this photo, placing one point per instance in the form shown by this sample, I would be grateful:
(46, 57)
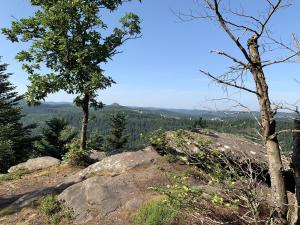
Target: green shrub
(14, 175)
(54, 210)
(76, 156)
(157, 139)
(179, 194)
(49, 205)
(170, 158)
(155, 212)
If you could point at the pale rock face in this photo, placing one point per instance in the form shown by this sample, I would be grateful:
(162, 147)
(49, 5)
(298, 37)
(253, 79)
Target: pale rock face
(36, 164)
(113, 188)
(103, 198)
(121, 163)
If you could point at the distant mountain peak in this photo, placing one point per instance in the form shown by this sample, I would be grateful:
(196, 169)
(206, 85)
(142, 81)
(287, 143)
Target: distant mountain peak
(115, 104)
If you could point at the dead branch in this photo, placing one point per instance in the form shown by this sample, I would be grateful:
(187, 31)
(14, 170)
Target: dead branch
(220, 81)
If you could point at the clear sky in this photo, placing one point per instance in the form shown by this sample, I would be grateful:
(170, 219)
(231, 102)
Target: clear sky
(161, 69)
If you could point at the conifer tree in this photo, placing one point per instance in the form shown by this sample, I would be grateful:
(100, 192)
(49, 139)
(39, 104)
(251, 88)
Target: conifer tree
(15, 140)
(55, 136)
(116, 139)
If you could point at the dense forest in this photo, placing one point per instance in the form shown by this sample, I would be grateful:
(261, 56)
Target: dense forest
(144, 120)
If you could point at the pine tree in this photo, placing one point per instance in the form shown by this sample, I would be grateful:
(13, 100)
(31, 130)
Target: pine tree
(15, 140)
(116, 138)
(55, 136)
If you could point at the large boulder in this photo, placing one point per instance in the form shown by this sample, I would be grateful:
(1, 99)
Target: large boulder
(121, 163)
(36, 164)
(110, 200)
(113, 189)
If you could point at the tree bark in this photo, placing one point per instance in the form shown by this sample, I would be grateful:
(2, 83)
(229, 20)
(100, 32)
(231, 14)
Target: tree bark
(296, 166)
(268, 124)
(84, 123)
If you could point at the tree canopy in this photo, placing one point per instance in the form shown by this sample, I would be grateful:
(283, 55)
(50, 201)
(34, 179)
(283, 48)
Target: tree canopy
(68, 44)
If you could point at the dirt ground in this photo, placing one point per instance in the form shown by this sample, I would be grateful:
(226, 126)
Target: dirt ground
(30, 183)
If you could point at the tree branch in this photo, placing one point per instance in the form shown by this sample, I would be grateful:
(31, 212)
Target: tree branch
(228, 83)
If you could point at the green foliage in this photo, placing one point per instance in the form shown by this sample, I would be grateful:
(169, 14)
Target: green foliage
(157, 139)
(72, 41)
(54, 210)
(142, 122)
(155, 212)
(180, 194)
(67, 37)
(75, 155)
(199, 124)
(137, 123)
(170, 158)
(116, 139)
(14, 175)
(96, 141)
(55, 136)
(15, 139)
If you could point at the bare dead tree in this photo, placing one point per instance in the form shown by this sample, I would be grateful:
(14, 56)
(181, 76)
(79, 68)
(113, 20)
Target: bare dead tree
(253, 38)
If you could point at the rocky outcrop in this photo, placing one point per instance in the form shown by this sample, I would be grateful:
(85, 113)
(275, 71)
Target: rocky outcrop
(121, 163)
(110, 191)
(234, 147)
(110, 200)
(113, 188)
(36, 164)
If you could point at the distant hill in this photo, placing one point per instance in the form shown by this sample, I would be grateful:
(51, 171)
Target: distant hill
(142, 120)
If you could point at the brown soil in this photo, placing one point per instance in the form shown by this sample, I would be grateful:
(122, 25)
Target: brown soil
(10, 191)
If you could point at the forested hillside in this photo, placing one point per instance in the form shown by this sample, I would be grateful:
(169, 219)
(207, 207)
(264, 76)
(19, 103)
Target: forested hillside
(144, 120)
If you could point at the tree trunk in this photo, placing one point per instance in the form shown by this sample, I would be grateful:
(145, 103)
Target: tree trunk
(296, 166)
(84, 123)
(268, 125)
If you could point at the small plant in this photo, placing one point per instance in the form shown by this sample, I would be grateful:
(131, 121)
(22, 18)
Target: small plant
(14, 175)
(157, 139)
(170, 158)
(180, 194)
(54, 210)
(76, 156)
(155, 212)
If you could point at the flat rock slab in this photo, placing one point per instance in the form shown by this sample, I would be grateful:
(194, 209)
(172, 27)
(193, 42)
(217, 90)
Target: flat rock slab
(110, 200)
(121, 163)
(36, 164)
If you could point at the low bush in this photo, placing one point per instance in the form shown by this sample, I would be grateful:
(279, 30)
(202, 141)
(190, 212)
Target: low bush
(54, 210)
(76, 156)
(155, 212)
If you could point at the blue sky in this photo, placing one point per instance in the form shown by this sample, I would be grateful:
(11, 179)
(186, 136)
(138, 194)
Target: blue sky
(161, 69)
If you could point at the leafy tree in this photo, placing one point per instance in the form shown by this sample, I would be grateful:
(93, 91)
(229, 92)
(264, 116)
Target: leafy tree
(55, 136)
(68, 38)
(116, 138)
(15, 140)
